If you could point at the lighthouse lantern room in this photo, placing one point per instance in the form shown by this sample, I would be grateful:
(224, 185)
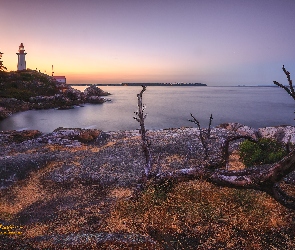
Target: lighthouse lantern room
(21, 63)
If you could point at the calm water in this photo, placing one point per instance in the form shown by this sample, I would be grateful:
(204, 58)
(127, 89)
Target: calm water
(167, 107)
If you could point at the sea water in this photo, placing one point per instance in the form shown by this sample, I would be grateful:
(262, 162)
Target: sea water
(167, 107)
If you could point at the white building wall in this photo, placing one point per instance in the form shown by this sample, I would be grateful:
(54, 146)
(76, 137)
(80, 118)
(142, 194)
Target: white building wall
(21, 65)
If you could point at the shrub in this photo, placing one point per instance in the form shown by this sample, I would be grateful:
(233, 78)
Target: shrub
(265, 151)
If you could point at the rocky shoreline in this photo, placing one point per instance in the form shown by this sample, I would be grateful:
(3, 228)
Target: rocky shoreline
(20, 95)
(183, 141)
(73, 169)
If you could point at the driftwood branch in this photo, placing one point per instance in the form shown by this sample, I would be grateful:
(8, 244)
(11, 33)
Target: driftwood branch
(263, 178)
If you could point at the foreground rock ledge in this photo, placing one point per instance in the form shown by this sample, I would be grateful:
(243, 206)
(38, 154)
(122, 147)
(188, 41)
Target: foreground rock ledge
(96, 162)
(118, 153)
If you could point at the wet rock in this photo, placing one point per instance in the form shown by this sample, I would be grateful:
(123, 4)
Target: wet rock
(94, 91)
(8, 106)
(73, 94)
(95, 100)
(4, 113)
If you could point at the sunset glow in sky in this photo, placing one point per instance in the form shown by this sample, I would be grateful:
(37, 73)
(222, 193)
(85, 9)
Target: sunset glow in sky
(216, 42)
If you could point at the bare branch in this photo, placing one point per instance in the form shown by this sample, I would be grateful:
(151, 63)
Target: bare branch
(209, 128)
(204, 136)
(289, 90)
(287, 73)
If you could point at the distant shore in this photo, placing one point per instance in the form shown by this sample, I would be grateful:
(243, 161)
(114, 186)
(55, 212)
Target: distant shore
(140, 84)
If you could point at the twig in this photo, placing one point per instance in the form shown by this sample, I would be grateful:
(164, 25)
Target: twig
(204, 138)
(209, 128)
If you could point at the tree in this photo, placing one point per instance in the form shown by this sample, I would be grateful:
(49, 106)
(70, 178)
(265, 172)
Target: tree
(268, 178)
(2, 68)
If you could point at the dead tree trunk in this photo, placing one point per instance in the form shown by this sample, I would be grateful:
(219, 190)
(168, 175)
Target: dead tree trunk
(140, 117)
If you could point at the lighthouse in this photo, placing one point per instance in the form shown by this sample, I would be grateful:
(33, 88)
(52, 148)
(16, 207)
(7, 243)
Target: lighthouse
(21, 62)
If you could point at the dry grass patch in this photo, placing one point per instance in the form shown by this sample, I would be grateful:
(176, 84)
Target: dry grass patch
(234, 161)
(120, 193)
(26, 192)
(199, 209)
(96, 149)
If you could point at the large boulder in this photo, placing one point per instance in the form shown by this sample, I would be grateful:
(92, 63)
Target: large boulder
(73, 94)
(4, 113)
(94, 91)
(240, 129)
(95, 100)
(281, 133)
(79, 134)
(8, 106)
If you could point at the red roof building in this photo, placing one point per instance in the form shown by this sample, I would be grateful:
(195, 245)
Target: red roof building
(61, 79)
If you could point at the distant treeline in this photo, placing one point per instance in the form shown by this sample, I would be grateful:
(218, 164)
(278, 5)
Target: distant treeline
(164, 84)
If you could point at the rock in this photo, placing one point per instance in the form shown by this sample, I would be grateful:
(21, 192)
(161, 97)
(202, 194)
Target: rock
(19, 167)
(35, 90)
(8, 106)
(81, 135)
(94, 91)
(88, 135)
(241, 129)
(95, 100)
(280, 133)
(101, 240)
(18, 136)
(4, 113)
(73, 94)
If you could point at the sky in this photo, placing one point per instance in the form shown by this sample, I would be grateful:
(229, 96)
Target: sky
(217, 42)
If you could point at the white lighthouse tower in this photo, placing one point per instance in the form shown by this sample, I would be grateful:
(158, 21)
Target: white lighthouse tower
(21, 62)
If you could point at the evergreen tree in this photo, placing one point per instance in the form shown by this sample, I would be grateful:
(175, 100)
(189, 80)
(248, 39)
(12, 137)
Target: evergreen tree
(2, 68)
